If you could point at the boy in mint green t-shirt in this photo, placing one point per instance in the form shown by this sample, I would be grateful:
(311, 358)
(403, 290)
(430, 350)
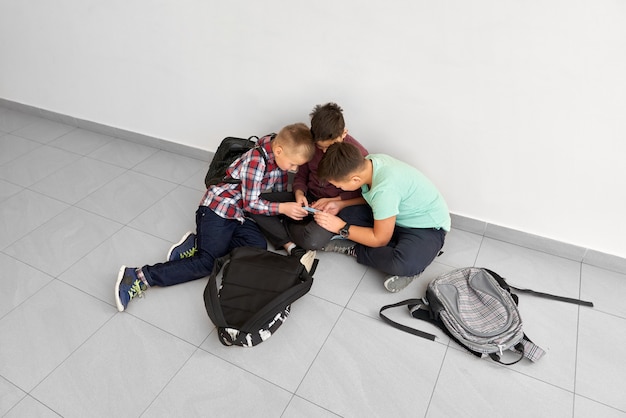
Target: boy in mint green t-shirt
(410, 217)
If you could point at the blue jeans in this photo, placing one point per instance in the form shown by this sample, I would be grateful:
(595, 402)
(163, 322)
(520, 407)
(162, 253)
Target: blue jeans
(215, 237)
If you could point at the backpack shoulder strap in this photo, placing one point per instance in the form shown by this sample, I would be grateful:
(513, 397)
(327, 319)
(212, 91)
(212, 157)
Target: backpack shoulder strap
(260, 150)
(506, 285)
(211, 296)
(414, 305)
(279, 302)
(553, 297)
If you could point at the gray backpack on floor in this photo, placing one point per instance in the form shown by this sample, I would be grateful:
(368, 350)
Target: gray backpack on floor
(475, 307)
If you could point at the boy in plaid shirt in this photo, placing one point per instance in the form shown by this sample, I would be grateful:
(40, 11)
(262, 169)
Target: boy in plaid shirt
(221, 222)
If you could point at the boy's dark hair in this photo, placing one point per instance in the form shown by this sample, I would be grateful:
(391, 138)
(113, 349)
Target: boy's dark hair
(339, 162)
(327, 122)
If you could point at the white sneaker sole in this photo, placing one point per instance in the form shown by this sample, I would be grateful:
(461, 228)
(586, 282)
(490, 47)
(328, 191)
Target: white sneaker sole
(394, 284)
(120, 276)
(169, 253)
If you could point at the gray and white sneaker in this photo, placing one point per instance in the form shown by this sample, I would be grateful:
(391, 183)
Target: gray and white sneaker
(397, 283)
(343, 246)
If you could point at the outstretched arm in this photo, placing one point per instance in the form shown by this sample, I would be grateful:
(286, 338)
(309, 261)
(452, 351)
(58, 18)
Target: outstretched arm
(334, 205)
(377, 236)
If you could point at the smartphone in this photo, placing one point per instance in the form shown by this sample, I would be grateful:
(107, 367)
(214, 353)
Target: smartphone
(310, 209)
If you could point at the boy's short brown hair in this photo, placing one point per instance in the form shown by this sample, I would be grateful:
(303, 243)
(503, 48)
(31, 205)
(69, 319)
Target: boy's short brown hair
(296, 138)
(327, 122)
(339, 162)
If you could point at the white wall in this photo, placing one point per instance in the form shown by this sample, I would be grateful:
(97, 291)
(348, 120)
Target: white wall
(516, 109)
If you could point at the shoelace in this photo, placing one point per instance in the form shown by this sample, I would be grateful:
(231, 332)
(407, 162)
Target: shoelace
(188, 253)
(136, 290)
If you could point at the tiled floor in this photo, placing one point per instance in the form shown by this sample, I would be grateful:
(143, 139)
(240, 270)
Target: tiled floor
(75, 205)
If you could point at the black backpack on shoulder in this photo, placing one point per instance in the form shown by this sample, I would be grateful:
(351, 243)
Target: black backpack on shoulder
(250, 292)
(229, 150)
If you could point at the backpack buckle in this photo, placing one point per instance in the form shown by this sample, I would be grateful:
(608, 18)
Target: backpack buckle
(500, 346)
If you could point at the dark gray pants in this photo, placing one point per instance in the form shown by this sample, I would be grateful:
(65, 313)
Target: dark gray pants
(279, 230)
(408, 253)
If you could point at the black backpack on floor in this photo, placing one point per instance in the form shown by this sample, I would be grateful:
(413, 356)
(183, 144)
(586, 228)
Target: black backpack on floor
(250, 292)
(229, 150)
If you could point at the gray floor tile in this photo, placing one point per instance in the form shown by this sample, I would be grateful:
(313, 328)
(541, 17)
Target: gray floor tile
(11, 120)
(85, 176)
(29, 407)
(208, 386)
(460, 249)
(172, 216)
(81, 141)
(532, 269)
(127, 196)
(336, 277)
(21, 214)
(62, 241)
(584, 408)
(371, 294)
(122, 153)
(606, 289)
(301, 408)
(472, 387)
(13, 292)
(169, 166)
(298, 341)
(8, 189)
(196, 181)
(36, 165)
(10, 395)
(367, 368)
(135, 360)
(184, 303)
(96, 272)
(44, 131)
(39, 334)
(12, 147)
(601, 372)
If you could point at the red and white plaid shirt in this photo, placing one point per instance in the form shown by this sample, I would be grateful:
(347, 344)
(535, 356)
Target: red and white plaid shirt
(232, 201)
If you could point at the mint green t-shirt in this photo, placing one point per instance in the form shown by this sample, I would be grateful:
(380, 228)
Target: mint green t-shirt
(401, 190)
